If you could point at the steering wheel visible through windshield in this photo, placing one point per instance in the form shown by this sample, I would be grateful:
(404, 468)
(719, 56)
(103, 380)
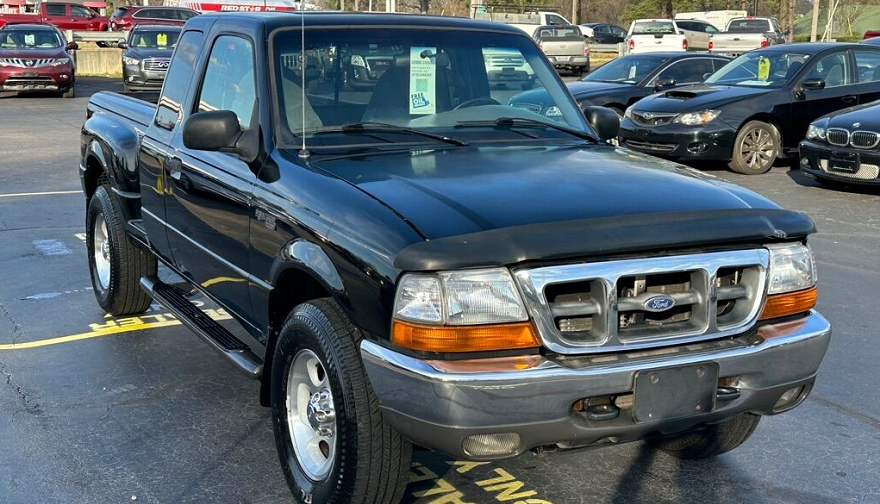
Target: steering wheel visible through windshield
(771, 69)
(348, 82)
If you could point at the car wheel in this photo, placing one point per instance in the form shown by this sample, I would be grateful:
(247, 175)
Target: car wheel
(69, 92)
(116, 264)
(333, 444)
(713, 440)
(755, 149)
(617, 110)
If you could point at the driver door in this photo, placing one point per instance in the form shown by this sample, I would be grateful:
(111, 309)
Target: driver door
(80, 17)
(837, 71)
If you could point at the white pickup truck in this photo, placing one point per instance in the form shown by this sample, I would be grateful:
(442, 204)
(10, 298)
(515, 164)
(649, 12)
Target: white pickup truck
(655, 35)
(746, 33)
(526, 22)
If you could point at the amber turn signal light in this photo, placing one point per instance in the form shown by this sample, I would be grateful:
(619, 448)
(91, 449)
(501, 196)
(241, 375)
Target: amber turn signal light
(790, 303)
(473, 338)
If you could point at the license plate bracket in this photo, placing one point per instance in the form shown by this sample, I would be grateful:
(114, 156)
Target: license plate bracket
(843, 162)
(672, 393)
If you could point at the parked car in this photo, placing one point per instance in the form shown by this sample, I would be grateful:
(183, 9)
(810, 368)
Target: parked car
(147, 55)
(525, 21)
(433, 266)
(66, 16)
(698, 33)
(364, 64)
(602, 33)
(744, 34)
(869, 34)
(126, 18)
(565, 47)
(626, 80)
(871, 41)
(36, 58)
(718, 19)
(842, 147)
(655, 35)
(756, 108)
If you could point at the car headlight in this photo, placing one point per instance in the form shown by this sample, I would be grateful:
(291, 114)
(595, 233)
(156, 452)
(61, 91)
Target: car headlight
(461, 311)
(60, 61)
(130, 61)
(627, 114)
(815, 132)
(791, 281)
(358, 60)
(694, 118)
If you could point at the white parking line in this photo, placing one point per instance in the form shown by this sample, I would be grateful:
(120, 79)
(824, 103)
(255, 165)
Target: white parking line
(46, 193)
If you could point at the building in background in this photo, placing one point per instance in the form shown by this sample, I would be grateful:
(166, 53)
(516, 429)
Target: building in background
(241, 5)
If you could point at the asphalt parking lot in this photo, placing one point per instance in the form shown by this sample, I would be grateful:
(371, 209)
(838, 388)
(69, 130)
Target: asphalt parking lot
(102, 410)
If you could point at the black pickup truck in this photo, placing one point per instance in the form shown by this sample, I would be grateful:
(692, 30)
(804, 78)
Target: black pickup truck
(419, 261)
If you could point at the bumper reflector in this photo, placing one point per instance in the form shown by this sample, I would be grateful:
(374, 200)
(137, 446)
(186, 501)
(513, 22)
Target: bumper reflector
(789, 303)
(492, 445)
(476, 338)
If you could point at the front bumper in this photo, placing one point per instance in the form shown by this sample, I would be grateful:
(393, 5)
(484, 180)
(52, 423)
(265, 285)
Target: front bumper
(569, 61)
(851, 166)
(36, 79)
(712, 141)
(137, 79)
(439, 404)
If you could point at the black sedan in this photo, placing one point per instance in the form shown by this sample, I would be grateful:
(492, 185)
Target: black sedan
(757, 108)
(843, 147)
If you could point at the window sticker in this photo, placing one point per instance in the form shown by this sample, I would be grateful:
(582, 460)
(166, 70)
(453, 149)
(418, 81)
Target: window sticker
(763, 68)
(422, 80)
(29, 39)
(161, 39)
(632, 71)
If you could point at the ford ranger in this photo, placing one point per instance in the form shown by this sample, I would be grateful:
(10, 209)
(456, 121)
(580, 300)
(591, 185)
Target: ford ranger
(419, 262)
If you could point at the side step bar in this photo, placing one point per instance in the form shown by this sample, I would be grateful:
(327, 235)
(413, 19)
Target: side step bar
(213, 333)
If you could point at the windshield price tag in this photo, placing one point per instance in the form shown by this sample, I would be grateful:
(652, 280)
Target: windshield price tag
(161, 39)
(422, 80)
(632, 72)
(763, 69)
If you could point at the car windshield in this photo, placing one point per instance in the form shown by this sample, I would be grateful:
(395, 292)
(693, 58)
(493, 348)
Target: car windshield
(749, 26)
(771, 69)
(626, 70)
(154, 39)
(652, 27)
(29, 39)
(420, 79)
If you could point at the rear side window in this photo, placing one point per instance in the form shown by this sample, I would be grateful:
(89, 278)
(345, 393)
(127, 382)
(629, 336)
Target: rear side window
(177, 79)
(868, 64)
(229, 79)
(56, 10)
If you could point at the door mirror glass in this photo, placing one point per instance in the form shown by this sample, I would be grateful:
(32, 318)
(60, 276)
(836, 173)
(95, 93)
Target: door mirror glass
(604, 121)
(211, 131)
(813, 84)
(122, 44)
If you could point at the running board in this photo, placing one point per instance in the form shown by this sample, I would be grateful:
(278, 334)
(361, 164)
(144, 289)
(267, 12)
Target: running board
(213, 333)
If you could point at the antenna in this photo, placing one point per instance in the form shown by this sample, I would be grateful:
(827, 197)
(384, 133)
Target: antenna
(304, 152)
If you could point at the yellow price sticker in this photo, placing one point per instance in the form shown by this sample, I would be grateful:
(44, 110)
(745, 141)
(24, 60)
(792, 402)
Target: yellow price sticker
(161, 39)
(763, 69)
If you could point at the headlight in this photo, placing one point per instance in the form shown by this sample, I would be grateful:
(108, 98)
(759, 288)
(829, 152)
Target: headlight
(815, 132)
(791, 285)
(130, 61)
(358, 60)
(694, 118)
(60, 61)
(461, 311)
(628, 113)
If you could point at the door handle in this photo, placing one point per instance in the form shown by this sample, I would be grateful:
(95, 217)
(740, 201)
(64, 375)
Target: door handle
(849, 98)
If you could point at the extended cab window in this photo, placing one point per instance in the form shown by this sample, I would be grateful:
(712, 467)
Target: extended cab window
(229, 79)
(178, 78)
(55, 10)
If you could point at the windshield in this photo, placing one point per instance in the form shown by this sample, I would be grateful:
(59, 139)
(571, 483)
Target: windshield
(626, 70)
(760, 69)
(421, 79)
(29, 39)
(154, 39)
(652, 27)
(749, 26)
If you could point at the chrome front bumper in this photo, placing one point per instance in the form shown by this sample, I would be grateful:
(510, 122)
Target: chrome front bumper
(438, 404)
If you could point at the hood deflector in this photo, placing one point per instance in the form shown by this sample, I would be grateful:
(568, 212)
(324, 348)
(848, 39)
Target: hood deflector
(604, 236)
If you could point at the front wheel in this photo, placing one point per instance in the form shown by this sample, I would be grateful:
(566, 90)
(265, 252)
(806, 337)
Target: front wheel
(69, 92)
(713, 440)
(333, 444)
(755, 149)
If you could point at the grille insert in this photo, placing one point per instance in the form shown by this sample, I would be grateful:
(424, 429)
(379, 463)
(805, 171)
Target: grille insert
(650, 146)
(157, 64)
(838, 136)
(652, 118)
(864, 139)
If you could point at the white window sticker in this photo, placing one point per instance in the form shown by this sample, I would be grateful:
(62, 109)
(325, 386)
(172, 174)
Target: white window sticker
(422, 80)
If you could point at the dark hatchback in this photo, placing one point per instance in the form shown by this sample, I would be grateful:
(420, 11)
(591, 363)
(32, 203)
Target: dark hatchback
(757, 108)
(147, 56)
(843, 147)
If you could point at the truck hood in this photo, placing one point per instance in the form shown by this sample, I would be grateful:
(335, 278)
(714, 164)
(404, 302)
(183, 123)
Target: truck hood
(698, 97)
(454, 192)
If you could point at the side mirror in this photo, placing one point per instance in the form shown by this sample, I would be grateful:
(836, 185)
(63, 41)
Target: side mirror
(813, 84)
(72, 46)
(604, 121)
(664, 82)
(219, 130)
(122, 44)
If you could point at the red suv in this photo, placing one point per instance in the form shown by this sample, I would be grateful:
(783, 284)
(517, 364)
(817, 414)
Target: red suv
(36, 58)
(126, 18)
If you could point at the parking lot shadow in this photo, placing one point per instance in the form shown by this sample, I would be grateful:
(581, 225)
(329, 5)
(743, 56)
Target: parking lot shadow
(802, 180)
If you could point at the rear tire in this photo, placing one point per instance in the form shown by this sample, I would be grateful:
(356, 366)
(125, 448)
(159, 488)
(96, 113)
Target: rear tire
(363, 459)
(755, 149)
(69, 92)
(714, 440)
(117, 267)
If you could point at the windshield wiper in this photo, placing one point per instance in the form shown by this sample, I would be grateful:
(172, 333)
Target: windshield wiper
(526, 123)
(380, 127)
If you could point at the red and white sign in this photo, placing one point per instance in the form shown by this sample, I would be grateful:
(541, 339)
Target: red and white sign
(246, 6)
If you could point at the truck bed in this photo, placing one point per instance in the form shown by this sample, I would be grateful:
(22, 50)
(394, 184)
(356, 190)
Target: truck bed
(137, 110)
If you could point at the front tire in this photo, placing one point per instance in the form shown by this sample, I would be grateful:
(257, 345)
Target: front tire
(755, 149)
(115, 263)
(713, 440)
(333, 444)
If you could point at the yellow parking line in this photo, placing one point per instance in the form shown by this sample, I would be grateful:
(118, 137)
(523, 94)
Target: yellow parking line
(88, 335)
(46, 193)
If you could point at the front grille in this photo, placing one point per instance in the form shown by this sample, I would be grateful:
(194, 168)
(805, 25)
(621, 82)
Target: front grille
(651, 118)
(650, 146)
(864, 139)
(640, 303)
(505, 61)
(38, 78)
(26, 62)
(838, 136)
(156, 64)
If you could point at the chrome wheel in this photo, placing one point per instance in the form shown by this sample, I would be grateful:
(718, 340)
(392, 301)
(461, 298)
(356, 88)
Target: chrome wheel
(758, 149)
(101, 245)
(311, 416)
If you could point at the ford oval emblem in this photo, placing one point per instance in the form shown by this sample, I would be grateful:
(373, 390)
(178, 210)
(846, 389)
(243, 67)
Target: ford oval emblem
(659, 303)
